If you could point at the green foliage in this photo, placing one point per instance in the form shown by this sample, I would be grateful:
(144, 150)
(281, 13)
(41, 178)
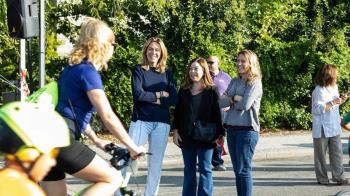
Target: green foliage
(9, 52)
(293, 38)
(117, 78)
(282, 115)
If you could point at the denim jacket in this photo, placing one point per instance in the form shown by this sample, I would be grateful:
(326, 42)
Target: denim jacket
(329, 120)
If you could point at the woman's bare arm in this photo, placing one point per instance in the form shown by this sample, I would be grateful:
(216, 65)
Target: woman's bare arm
(99, 100)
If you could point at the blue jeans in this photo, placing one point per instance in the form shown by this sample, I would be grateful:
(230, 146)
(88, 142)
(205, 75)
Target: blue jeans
(205, 185)
(241, 145)
(156, 133)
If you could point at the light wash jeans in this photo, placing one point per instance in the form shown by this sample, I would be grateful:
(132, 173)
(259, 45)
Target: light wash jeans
(156, 133)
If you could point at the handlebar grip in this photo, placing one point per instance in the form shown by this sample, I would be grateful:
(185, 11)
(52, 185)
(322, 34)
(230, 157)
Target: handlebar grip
(120, 156)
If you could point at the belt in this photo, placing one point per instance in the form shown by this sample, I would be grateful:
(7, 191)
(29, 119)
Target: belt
(238, 128)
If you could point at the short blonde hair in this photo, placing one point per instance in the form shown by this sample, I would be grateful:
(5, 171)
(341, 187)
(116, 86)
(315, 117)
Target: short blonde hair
(94, 43)
(207, 79)
(161, 64)
(254, 68)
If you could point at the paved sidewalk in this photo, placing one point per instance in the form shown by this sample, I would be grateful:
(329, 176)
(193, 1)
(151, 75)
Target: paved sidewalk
(275, 147)
(281, 163)
(269, 147)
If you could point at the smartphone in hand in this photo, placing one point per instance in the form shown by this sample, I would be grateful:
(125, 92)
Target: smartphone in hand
(344, 96)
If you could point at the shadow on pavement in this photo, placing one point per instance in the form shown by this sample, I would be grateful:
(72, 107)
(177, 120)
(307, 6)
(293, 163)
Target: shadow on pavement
(284, 167)
(304, 145)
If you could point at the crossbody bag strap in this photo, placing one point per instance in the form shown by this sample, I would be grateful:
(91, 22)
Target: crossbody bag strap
(77, 127)
(77, 134)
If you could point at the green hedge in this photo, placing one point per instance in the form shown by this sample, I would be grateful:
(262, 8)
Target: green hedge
(292, 39)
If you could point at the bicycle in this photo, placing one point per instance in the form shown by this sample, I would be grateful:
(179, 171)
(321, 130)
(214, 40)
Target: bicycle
(121, 159)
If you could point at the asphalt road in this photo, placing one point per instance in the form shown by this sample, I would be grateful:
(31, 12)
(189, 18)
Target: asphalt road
(292, 176)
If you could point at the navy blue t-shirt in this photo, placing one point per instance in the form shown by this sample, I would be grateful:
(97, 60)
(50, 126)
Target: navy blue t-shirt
(145, 84)
(74, 82)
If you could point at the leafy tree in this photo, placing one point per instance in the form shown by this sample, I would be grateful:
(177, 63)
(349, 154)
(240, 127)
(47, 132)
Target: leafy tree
(293, 38)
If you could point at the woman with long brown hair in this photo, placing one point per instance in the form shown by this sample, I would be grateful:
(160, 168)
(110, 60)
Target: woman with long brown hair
(198, 100)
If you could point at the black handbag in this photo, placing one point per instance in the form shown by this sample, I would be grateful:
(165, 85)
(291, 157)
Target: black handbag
(201, 130)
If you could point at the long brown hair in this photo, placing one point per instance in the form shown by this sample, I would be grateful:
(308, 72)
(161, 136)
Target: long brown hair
(161, 64)
(326, 76)
(254, 69)
(207, 79)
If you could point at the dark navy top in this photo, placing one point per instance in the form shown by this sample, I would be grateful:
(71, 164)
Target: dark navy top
(145, 84)
(74, 82)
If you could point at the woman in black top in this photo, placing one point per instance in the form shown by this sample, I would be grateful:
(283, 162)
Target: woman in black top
(198, 98)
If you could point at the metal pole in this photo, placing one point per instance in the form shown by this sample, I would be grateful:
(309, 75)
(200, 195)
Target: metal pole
(22, 66)
(42, 43)
(30, 65)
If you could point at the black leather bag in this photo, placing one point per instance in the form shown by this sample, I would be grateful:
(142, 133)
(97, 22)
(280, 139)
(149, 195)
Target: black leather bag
(203, 131)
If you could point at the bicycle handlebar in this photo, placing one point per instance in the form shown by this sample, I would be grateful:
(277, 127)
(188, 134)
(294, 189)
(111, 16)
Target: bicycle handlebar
(120, 156)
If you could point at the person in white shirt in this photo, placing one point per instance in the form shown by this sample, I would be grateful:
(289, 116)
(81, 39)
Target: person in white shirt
(326, 129)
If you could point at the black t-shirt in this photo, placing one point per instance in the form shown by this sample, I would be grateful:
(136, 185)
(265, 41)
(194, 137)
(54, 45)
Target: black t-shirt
(195, 102)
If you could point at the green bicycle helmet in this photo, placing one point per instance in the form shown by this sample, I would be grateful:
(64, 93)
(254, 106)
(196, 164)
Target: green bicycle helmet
(31, 125)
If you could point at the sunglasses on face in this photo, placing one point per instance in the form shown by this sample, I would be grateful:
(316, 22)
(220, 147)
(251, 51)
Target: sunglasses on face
(211, 62)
